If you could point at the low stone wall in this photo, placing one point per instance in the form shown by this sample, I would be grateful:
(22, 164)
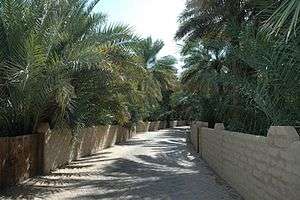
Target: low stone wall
(124, 134)
(194, 136)
(142, 127)
(61, 146)
(93, 139)
(58, 149)
(181, 123)
(154, 126)
(173, 124)
(112, 135)
(257, 167)
(26, 156)
(18, 159)
(163, 125)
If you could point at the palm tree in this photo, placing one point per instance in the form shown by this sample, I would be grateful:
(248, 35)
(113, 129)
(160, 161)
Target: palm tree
(275, 89)
(219, 20)
(204, 63)
(251, 65)
(160, 72)
(197, 22)
(46, 47)
(284, 17)
(112, 83)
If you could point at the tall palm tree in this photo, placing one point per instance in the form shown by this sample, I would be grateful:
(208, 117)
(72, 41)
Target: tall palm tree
(251, 63)
(204, 64)
(160, 72)
(46, 47)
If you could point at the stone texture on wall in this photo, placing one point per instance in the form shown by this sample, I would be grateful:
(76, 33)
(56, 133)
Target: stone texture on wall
(154, 126)
(125, 133)
(142, 127)
(181, 123)
(26, 156)
(163, 124)
(18, 159)
(194, 136)
(111, 137)
(93, 139)
(121, 134)
(58, 146)
(173, 124)
(88, 140)
(61, 146)
(259, 168)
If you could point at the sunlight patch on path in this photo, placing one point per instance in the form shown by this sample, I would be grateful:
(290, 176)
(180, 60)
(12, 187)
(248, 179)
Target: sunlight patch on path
(155, 165)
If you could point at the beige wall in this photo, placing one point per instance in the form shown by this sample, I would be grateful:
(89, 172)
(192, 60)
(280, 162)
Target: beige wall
(124, 134)
(163, 124)
(173, 124)
(181, 123)
(154, 126)
(111, 137)
(61, 146)
(18, 159)
(259, 168)
(93, 139)
(50, 149)
(57, 149)
(195, 133)
(142, 127)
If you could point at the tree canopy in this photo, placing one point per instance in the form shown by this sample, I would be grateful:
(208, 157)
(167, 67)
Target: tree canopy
(62, 63)
(242, 62)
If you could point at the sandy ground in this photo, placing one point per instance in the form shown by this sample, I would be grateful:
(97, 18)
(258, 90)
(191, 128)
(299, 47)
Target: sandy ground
(155, 165)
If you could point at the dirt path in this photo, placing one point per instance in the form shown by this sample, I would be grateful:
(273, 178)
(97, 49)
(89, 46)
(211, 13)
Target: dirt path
(151, 166)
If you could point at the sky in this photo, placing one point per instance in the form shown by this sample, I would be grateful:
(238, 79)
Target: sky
(156, 18)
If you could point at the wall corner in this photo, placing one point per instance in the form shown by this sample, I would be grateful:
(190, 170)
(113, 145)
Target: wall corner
(42, 130)
(282, 136)
(219, 127)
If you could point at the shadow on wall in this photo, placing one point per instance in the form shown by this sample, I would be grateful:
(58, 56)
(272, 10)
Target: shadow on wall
(18, 159)
(42, 186)
(62, 146)
(163, 176)
(257, 167)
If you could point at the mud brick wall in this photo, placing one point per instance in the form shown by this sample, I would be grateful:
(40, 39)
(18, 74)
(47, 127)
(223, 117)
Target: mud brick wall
(18, 159)
(257, 167)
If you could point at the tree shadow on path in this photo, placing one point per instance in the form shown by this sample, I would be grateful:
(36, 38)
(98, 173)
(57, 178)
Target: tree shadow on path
(168, 171)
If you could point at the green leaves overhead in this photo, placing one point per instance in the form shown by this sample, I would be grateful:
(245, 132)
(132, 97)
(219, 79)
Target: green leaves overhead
(148, 50)
(285, 18)
(242, 58)
(60, 62)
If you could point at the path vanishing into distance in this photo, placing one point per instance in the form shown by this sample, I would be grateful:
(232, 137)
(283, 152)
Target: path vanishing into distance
(155, 165)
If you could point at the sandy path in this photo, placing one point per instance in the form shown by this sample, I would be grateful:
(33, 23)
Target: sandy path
(151, 166)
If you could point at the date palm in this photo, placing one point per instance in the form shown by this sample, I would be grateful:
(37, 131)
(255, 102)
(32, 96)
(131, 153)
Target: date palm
(284, 18)
(254, 66)
(160, 72)
(47, 49)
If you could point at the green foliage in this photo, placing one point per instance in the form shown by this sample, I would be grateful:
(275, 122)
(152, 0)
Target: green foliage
(242, 63)
(62, 63)
(276, 87)
(285, 18)
(160, 78)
